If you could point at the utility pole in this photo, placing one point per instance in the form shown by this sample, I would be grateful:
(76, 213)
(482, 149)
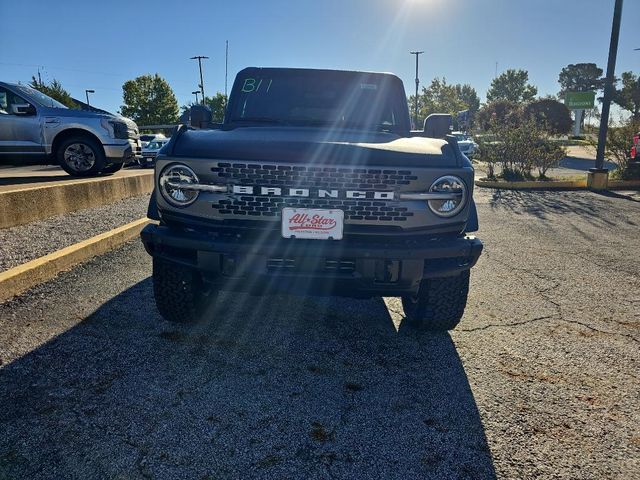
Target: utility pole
(599, 175)
(226, 67)
(496, 72)
(415, 107)
(196, 94)
(87, 92)
(200, 58)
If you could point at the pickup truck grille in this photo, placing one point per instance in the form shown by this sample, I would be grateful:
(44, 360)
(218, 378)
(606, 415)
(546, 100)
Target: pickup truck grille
(256, 206)
(320, 177)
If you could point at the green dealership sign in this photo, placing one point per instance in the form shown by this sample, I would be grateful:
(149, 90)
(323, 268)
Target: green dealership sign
(579, 100)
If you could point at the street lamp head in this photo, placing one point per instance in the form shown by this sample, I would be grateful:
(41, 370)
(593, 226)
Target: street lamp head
(416, 53)
(195, 93)
(199, 57)
(90, 91)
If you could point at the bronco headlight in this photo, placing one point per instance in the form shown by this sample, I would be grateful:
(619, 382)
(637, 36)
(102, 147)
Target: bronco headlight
(174, 181)
(453, 198)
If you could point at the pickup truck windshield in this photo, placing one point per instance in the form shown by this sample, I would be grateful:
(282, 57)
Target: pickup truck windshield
(351, 100)
(39, 97)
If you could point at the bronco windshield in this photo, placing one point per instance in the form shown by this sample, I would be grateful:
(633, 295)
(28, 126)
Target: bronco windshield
(363, 101)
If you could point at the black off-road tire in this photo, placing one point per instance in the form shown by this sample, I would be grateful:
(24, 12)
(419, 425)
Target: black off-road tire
(178, 291)
(439, 304)
(112, 168)
(96, 148)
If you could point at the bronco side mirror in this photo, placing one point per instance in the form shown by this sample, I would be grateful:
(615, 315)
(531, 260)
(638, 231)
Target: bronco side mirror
(437, 125)
(201, 116)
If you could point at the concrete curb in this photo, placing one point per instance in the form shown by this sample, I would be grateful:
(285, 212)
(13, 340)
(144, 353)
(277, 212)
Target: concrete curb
(18, 279)
(21, 206)
(559, 185)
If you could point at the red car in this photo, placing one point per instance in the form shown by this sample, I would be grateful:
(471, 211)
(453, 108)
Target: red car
(635, 150)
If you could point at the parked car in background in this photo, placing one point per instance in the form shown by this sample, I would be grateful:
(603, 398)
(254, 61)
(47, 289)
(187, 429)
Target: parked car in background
(149, 152)
(145, 138)
(633, 166)
(34, 126)
(466, 144)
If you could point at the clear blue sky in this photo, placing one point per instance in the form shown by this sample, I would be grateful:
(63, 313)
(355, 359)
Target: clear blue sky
(101, 44)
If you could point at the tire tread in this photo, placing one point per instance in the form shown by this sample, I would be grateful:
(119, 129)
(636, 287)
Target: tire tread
(441, 303)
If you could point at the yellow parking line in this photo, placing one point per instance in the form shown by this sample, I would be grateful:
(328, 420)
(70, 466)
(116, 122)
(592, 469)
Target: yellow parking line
(18, 279)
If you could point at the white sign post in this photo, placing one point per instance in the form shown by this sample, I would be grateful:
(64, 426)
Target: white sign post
(576, 125)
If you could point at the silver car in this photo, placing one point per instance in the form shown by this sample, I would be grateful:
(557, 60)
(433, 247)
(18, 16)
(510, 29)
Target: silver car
(82, 142)
(150, 151)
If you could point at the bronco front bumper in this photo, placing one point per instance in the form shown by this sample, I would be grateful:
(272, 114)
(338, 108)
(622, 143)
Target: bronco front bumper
(348, 268)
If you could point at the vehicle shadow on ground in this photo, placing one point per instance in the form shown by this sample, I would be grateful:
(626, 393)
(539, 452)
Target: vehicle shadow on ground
(582, 164)
(264, 387)
(33, 179)
(544, 203)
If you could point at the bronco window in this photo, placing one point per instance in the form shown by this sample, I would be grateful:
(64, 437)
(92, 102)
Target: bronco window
(359, 101)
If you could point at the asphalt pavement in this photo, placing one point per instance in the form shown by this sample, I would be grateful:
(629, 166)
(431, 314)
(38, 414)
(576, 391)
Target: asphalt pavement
(540, 380)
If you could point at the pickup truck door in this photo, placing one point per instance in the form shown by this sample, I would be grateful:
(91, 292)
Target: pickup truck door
(20, 133)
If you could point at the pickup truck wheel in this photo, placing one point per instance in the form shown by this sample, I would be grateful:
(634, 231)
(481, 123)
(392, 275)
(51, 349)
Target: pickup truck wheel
(113, 168)
(81, 156)
(439, 304)
(178, 291)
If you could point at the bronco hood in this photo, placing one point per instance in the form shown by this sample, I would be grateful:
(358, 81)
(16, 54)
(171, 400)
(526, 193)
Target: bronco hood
(304, 145)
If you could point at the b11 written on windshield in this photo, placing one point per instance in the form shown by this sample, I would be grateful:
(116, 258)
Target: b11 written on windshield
(253, 85)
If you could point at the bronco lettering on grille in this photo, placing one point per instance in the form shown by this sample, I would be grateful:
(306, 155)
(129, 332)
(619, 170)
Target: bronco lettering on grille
(308, 192)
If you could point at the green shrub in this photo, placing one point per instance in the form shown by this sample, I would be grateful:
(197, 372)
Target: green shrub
(618, 147)
(518, 150)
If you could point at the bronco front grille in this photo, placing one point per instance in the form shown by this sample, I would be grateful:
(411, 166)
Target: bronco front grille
(305, 177)
(297, 176)
(256, 206)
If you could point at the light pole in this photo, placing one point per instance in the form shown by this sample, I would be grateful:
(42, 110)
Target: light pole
(196, 94)
(415, 106)
(87, 92)
(598, 175)
(200, 58)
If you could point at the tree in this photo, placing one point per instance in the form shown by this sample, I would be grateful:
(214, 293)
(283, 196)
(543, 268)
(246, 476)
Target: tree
(149, 100)
(628, 97)
(499, 112)
(580, 77)
(512, 86)
(217, 104)
(469, 97)
(550, 115)
(442, 97)
(55, 91)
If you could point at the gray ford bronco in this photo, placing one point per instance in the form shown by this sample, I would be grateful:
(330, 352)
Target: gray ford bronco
(314, 184)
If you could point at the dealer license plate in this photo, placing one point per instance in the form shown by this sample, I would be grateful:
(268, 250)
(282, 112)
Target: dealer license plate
(316, 224)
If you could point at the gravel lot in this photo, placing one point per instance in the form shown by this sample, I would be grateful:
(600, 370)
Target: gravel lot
(540, 380)
(28, 242)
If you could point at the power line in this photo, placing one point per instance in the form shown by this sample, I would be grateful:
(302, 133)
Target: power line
(54, 67)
